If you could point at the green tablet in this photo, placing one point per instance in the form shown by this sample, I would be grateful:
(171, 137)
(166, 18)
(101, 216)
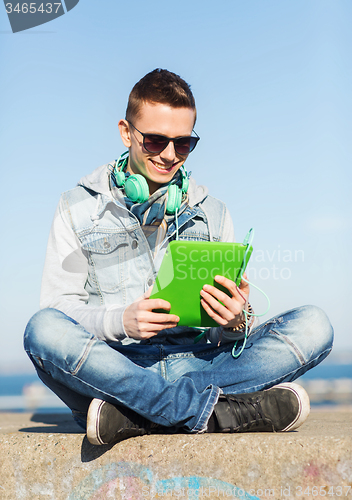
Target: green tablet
(188, 265)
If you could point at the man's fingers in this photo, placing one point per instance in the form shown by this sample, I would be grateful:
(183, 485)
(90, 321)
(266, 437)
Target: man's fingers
(146, 294)
(157, 327)
(150, 316)
(238, 292)
(224, 311)
(212, 313)
(212, 295)
(229, 284)
(161, 318)
(141, 321)
(151, 304)
(221, 307)
(244, 285)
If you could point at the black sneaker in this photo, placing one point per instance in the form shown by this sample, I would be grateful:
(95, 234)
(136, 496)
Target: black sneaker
(107, 424)
(283, 407)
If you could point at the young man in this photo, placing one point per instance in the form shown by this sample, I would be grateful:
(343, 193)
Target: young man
(124, 369)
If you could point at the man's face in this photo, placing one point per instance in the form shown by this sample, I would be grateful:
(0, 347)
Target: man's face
(159, 119)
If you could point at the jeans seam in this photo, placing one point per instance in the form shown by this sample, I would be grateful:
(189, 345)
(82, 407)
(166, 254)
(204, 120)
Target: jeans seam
(202, 422)
(290, 343)
(271, 321)
(84, 357)
(272, 383)
(81, 381)
(162, 363)
(199, 354)
(95, 280)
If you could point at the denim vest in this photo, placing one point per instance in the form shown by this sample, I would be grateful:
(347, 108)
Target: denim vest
(121, 265)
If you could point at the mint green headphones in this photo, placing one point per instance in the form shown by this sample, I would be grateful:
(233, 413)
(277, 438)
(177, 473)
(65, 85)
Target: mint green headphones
(137, 190)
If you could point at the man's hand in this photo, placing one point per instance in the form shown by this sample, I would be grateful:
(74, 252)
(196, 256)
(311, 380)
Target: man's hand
(228, 314)
(141, 322)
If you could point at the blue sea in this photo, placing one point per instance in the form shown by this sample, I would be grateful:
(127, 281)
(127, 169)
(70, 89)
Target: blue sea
(25, 392)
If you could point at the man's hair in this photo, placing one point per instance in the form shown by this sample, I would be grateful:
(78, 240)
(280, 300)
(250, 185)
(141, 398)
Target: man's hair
(160, 86)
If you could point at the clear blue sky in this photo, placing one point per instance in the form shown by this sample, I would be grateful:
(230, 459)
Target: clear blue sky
(272, 81)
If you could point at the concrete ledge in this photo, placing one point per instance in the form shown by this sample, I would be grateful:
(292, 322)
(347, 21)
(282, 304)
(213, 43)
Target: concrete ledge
(47, 457)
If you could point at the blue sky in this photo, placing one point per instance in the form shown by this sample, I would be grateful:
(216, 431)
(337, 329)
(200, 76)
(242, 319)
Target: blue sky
(272, 81)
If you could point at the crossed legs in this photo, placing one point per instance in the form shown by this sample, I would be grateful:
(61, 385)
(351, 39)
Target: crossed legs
(172, 385)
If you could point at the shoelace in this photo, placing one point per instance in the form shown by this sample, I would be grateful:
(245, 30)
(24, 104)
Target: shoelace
(245, 411)
(134, 421)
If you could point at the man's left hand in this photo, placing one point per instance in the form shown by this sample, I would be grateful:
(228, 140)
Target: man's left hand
(225, 310)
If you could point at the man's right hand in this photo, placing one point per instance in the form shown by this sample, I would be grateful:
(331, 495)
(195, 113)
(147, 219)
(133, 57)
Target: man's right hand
(141, 322)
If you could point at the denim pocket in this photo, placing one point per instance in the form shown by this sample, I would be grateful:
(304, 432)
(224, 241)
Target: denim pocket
(104, 242)
(109, 257)
(263, 326)
(194, 230)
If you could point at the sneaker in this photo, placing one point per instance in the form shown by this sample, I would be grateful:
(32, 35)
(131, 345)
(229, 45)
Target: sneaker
(281, 408)
(107, 423)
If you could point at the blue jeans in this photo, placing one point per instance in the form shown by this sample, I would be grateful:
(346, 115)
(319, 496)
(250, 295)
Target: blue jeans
(172, 385)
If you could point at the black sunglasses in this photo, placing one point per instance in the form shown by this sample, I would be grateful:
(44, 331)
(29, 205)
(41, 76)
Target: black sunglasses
(155, 143)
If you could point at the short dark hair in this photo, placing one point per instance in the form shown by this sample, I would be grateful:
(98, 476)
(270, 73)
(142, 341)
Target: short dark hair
(160, 86)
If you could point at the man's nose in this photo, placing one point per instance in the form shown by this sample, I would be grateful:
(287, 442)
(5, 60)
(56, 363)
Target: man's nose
(169, 153)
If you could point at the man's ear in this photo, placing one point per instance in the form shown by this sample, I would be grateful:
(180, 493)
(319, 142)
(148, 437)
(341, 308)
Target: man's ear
(125, 133)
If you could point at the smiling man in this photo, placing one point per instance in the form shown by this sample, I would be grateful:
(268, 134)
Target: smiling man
(98, 342)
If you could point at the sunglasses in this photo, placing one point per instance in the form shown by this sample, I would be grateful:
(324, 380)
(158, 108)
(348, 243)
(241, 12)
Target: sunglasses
(155, 143)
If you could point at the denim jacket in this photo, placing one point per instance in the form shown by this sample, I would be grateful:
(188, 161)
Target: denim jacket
(98, 259)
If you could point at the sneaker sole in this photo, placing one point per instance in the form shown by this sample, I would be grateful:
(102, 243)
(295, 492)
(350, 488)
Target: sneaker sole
(304, 404)
(93, 421)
